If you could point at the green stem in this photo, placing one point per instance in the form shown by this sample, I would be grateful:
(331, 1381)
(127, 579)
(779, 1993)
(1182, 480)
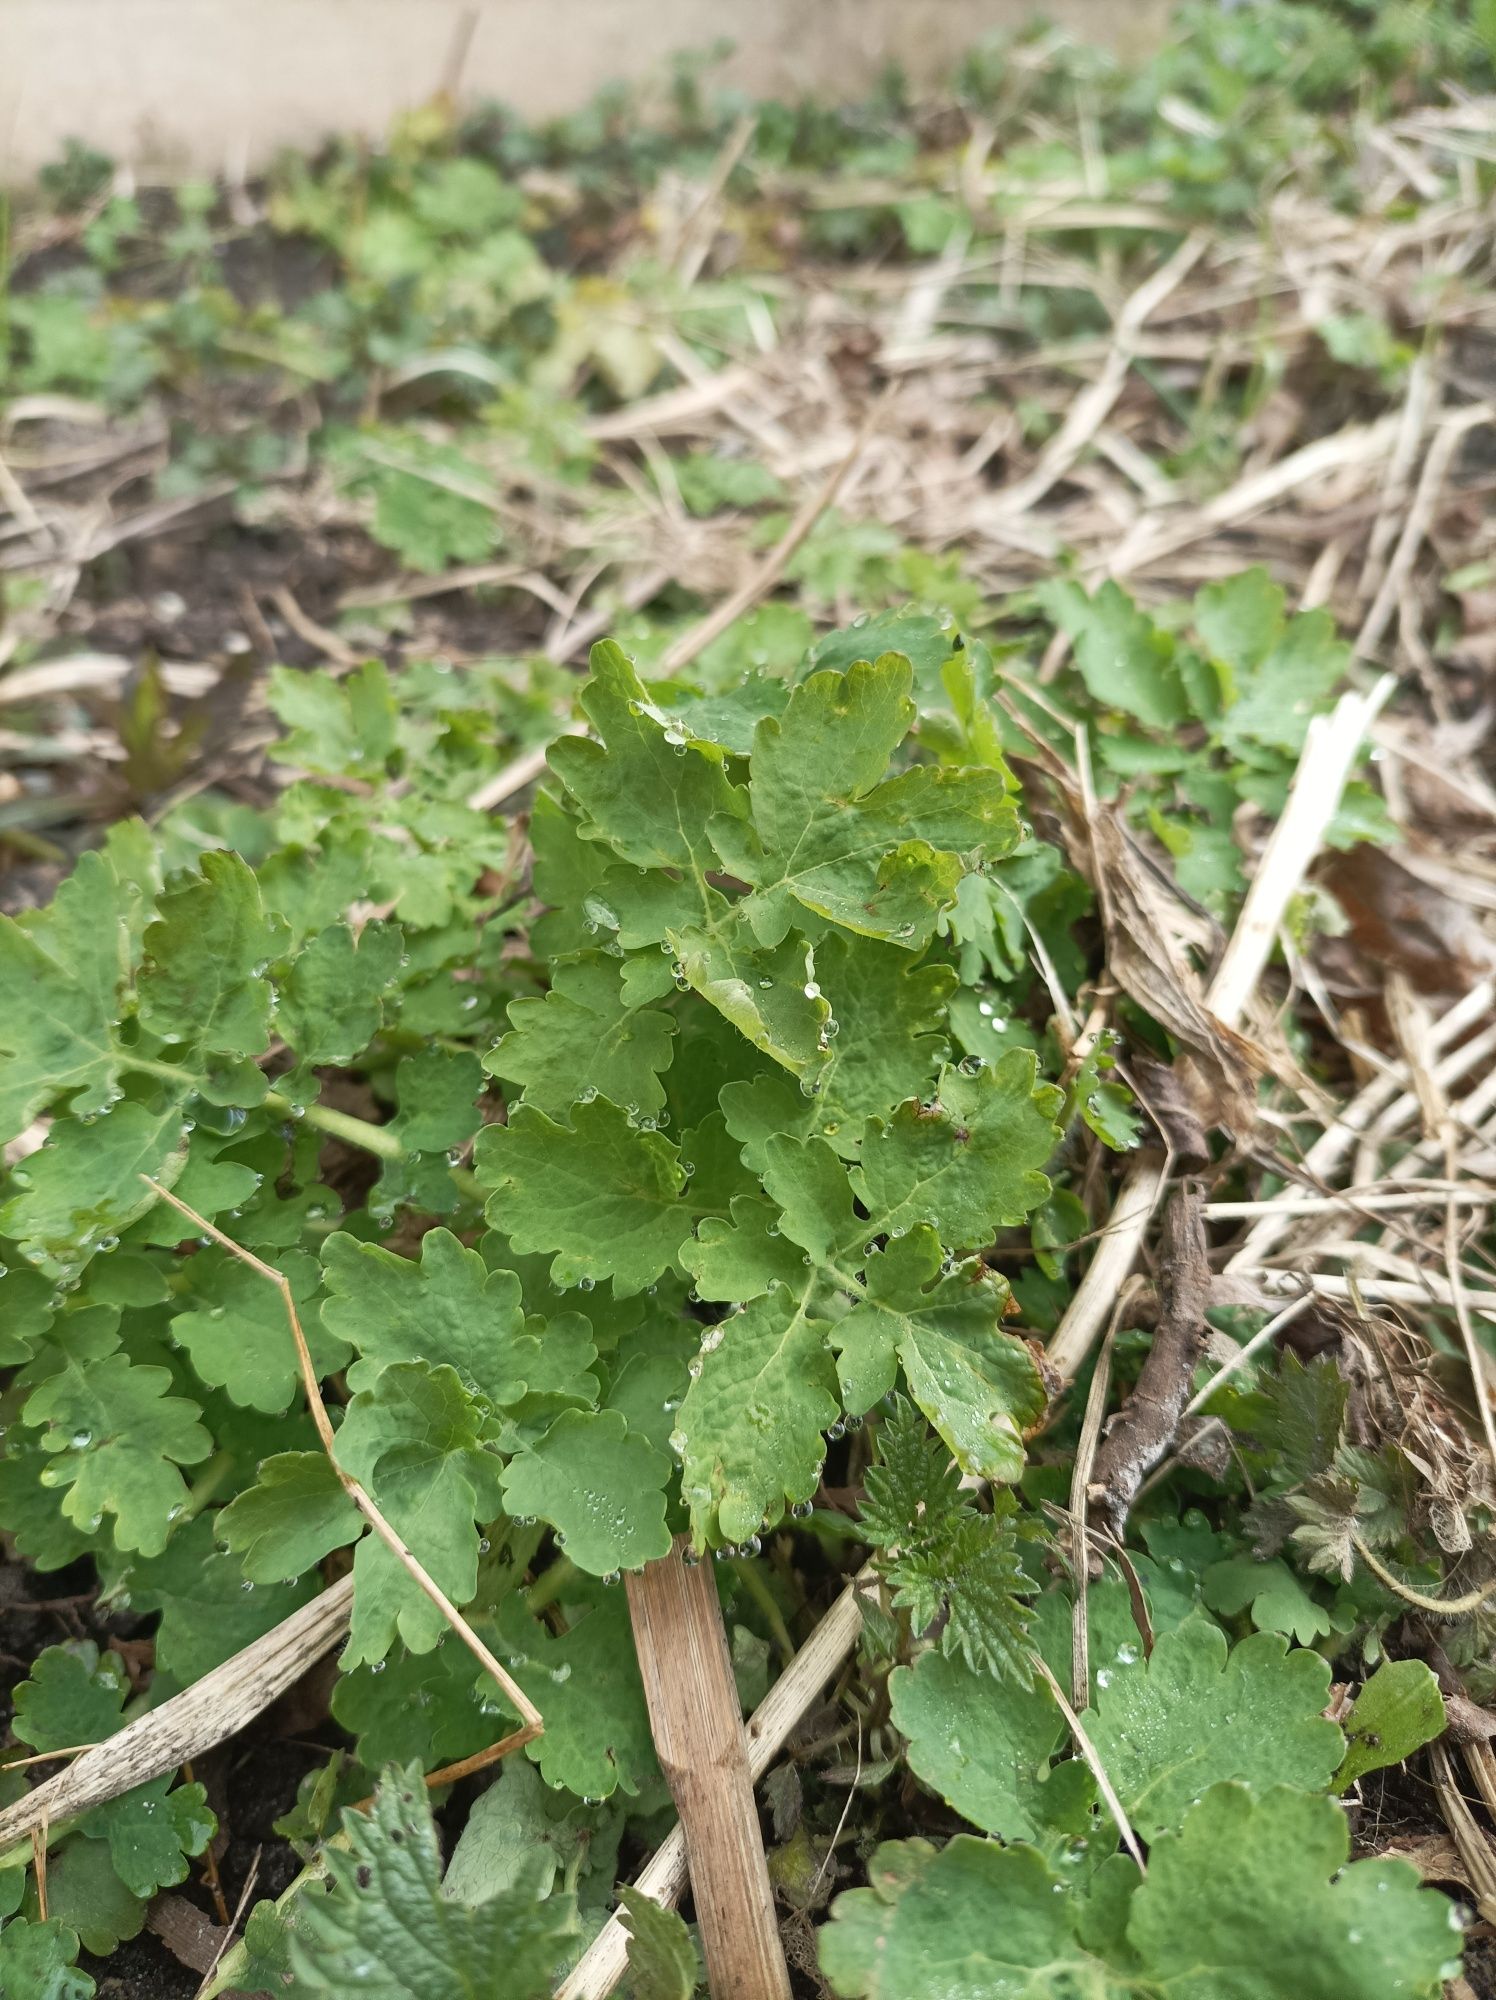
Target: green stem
(547, 1588)
(380, 1140)
(169, 1072)
(763, 1597)
(207, 1484)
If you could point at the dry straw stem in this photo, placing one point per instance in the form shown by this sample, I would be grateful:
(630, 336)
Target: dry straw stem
(531, 1724)
(664, 1879)
(190, 1723)
(1097, 1769)
(695, 642)
(1330, 750)
(697, 1724)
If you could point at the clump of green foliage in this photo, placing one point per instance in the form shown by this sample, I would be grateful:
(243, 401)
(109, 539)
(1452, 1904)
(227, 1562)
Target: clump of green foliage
(759, 1140)
(693, 1152)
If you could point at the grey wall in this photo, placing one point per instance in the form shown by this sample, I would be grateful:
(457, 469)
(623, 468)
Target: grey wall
(212, 84)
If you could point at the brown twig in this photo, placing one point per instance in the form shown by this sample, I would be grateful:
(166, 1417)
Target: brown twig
(698, 1735)
(1144, 1429)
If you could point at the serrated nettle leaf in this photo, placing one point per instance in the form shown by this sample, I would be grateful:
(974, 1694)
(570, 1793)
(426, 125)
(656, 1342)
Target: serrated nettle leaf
(663, 1963)
(831, 833)
(602, 1489)
(203, 980)
(599, 1192)
(384, 1929)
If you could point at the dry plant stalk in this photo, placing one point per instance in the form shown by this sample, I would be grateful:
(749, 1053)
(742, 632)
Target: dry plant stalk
(664, 1878)
(1329, 752)
(1143, 1430)
(190, 1723)
(697, 1725)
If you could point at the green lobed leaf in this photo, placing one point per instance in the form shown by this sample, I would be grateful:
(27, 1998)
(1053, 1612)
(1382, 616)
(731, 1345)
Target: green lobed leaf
(295, 1513)
(330, 999)
(831, 833)
(84, 1186)
(586, 1685)
(751, 1422)
(970, 1162)
(72, 1696)
(236, 1332)
(447, 1308)
(203, 979)
(37, 1962)
(599, 1486)
(1252, 1898)
(119, 1436)
(63, 978)
(1167, 1727)
(984, 1748)
(151, 1831)
(584, 1039)
(415, 1440)
(599, 1193)
(1397, 1712)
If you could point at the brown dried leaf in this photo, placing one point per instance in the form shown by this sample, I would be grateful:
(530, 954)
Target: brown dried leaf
(1145, 958)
